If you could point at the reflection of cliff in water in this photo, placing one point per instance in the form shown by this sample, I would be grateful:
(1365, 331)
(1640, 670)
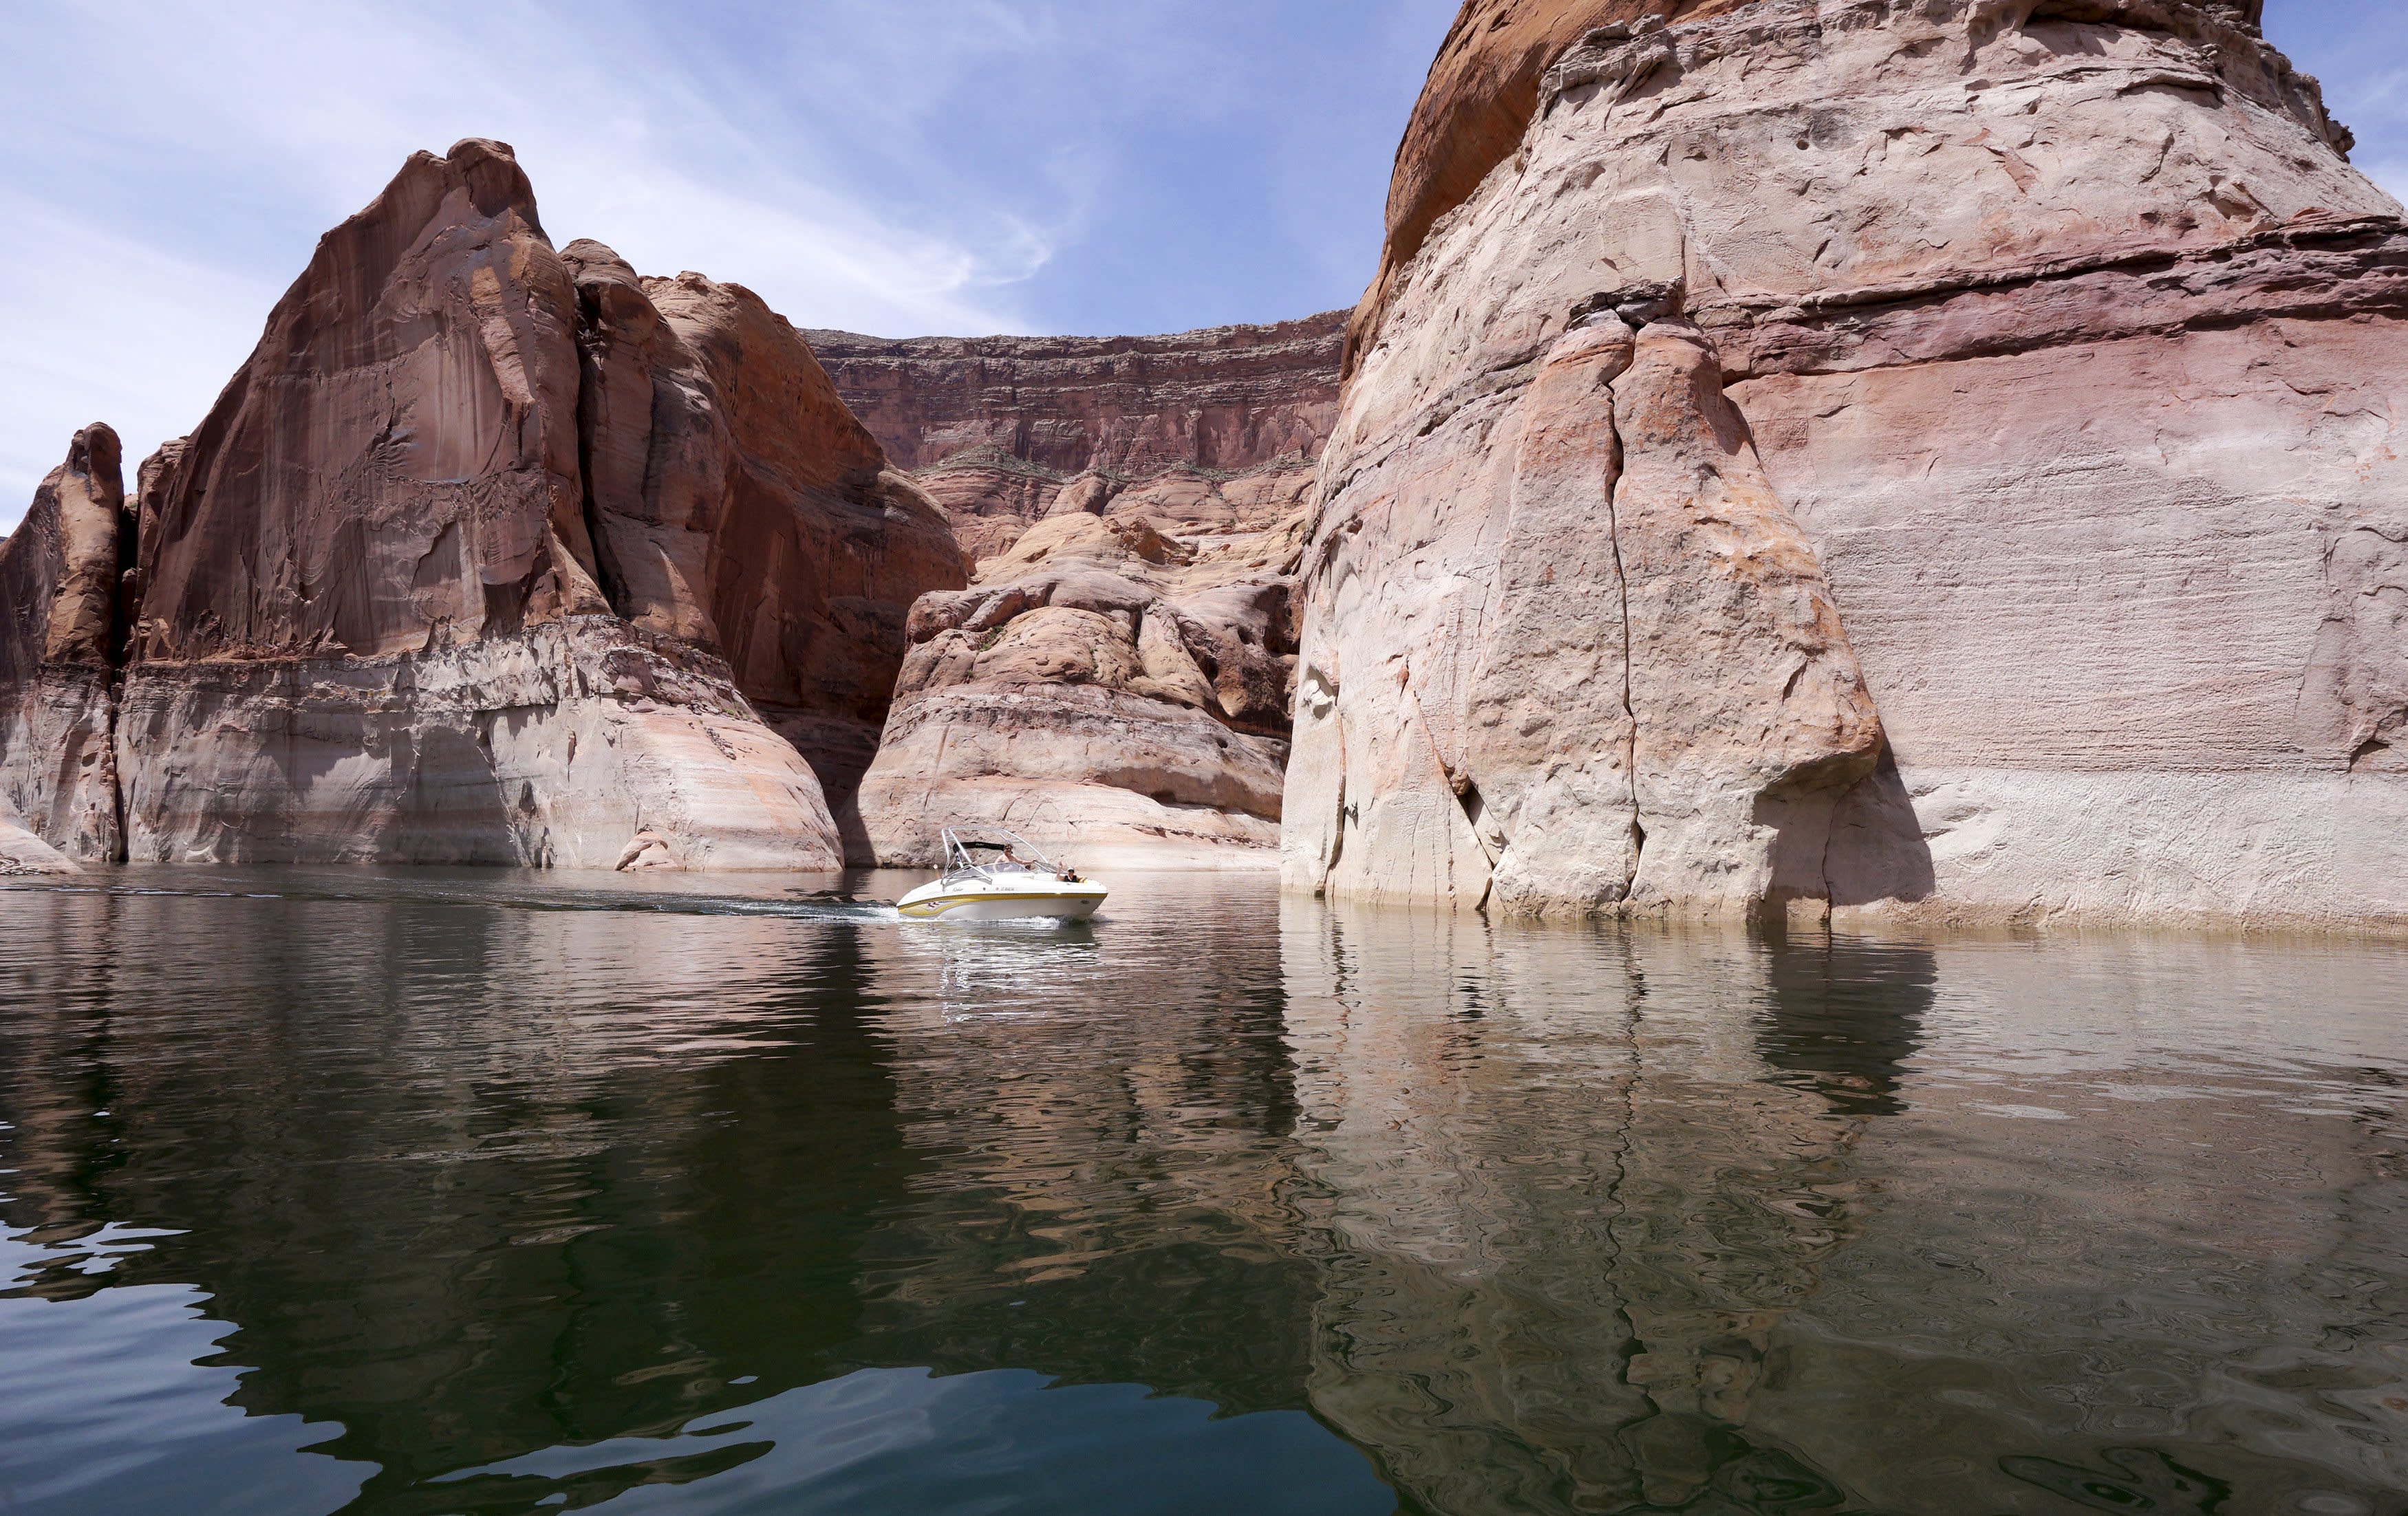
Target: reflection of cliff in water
(469, 1182)
(1109, 1197)
(1611, 1219)
(474, 1182)
(1514, 1211)
(1573, 1208)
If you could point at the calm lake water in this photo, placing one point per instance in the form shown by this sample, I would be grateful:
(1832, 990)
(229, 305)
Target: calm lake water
(327, 1190)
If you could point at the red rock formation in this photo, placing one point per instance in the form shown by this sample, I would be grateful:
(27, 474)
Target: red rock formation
(1118, 682)
(1216, 428)
(397, 464)
(59, 625)
(2039, 360)
(739, 505)
(1106, 690)
(485, 556)
(1481, 91)
(1480, 94)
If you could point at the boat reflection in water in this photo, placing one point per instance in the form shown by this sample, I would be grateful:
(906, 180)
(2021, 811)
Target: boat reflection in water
(426, 1191)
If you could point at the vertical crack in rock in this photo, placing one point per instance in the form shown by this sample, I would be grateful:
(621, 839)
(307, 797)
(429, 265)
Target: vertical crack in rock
(122, 851)
(1754, 716)
(2087, 606)
(1546, 699)
(1622, 585)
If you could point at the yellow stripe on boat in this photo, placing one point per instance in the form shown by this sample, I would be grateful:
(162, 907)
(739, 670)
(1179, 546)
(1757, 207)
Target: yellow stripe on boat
(938, 907)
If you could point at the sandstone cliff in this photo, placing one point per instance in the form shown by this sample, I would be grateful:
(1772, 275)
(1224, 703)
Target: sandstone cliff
(1216, 429)
(1117, 681)
(24, 855)
(739, 506)
(484, 556)
(1854, 453)
(1105, 688)
(59, 596)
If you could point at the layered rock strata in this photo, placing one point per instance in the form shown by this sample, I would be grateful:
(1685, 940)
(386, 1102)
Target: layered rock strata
(1111, 693)
(1967, 431)
(1118, 679)
(485, 556)
(1216, 431)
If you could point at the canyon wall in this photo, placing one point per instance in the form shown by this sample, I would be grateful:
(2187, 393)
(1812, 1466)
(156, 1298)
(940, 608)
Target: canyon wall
(1835, 454)
(1217, 430)
(1116, 682)
(490, 553)
(59, 574)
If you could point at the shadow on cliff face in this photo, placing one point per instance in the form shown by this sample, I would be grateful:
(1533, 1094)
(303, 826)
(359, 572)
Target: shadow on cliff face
(1877, 850)
(1850, 840)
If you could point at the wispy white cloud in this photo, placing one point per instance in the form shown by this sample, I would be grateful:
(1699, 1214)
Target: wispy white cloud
(902, 166)
(148, 217)
(110, 328)
(2360, 51)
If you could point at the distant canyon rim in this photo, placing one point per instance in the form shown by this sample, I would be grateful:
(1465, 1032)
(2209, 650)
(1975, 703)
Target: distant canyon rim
(1812, 461)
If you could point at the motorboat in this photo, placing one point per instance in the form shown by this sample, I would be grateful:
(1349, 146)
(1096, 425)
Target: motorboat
(998, 876)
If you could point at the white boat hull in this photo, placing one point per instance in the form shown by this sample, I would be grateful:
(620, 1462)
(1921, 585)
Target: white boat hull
(989, 903)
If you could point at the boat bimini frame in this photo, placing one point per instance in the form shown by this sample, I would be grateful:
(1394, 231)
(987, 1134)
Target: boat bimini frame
(961, 849)
(985, 879)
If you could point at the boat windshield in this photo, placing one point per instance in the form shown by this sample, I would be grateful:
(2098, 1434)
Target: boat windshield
(981, 854)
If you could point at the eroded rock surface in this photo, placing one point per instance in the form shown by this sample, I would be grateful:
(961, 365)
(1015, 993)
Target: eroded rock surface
(59, 623)
(2020, 445)
(1214, 430)
(25, 855)
(736, 504)
(1117, 681)
(488, 555)
(552, 746)
(1105, 688)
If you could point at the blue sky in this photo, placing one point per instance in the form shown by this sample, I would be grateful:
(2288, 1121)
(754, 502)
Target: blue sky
(898, 167)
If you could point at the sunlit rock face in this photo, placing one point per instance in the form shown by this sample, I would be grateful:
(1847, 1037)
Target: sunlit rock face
(738, 506)
(1856, 454)
(1108, 690)
(487, 554)
(1117, 681)
(24, 855)
(59, 594)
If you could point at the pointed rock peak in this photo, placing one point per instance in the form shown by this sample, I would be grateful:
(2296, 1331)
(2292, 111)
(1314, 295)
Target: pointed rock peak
(97, 455)
(155, 469)
(477, 180)
(609, 291)
(63, 566)
(491, 173)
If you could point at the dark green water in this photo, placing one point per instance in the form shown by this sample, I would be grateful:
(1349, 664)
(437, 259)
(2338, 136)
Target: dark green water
(429, 1193)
